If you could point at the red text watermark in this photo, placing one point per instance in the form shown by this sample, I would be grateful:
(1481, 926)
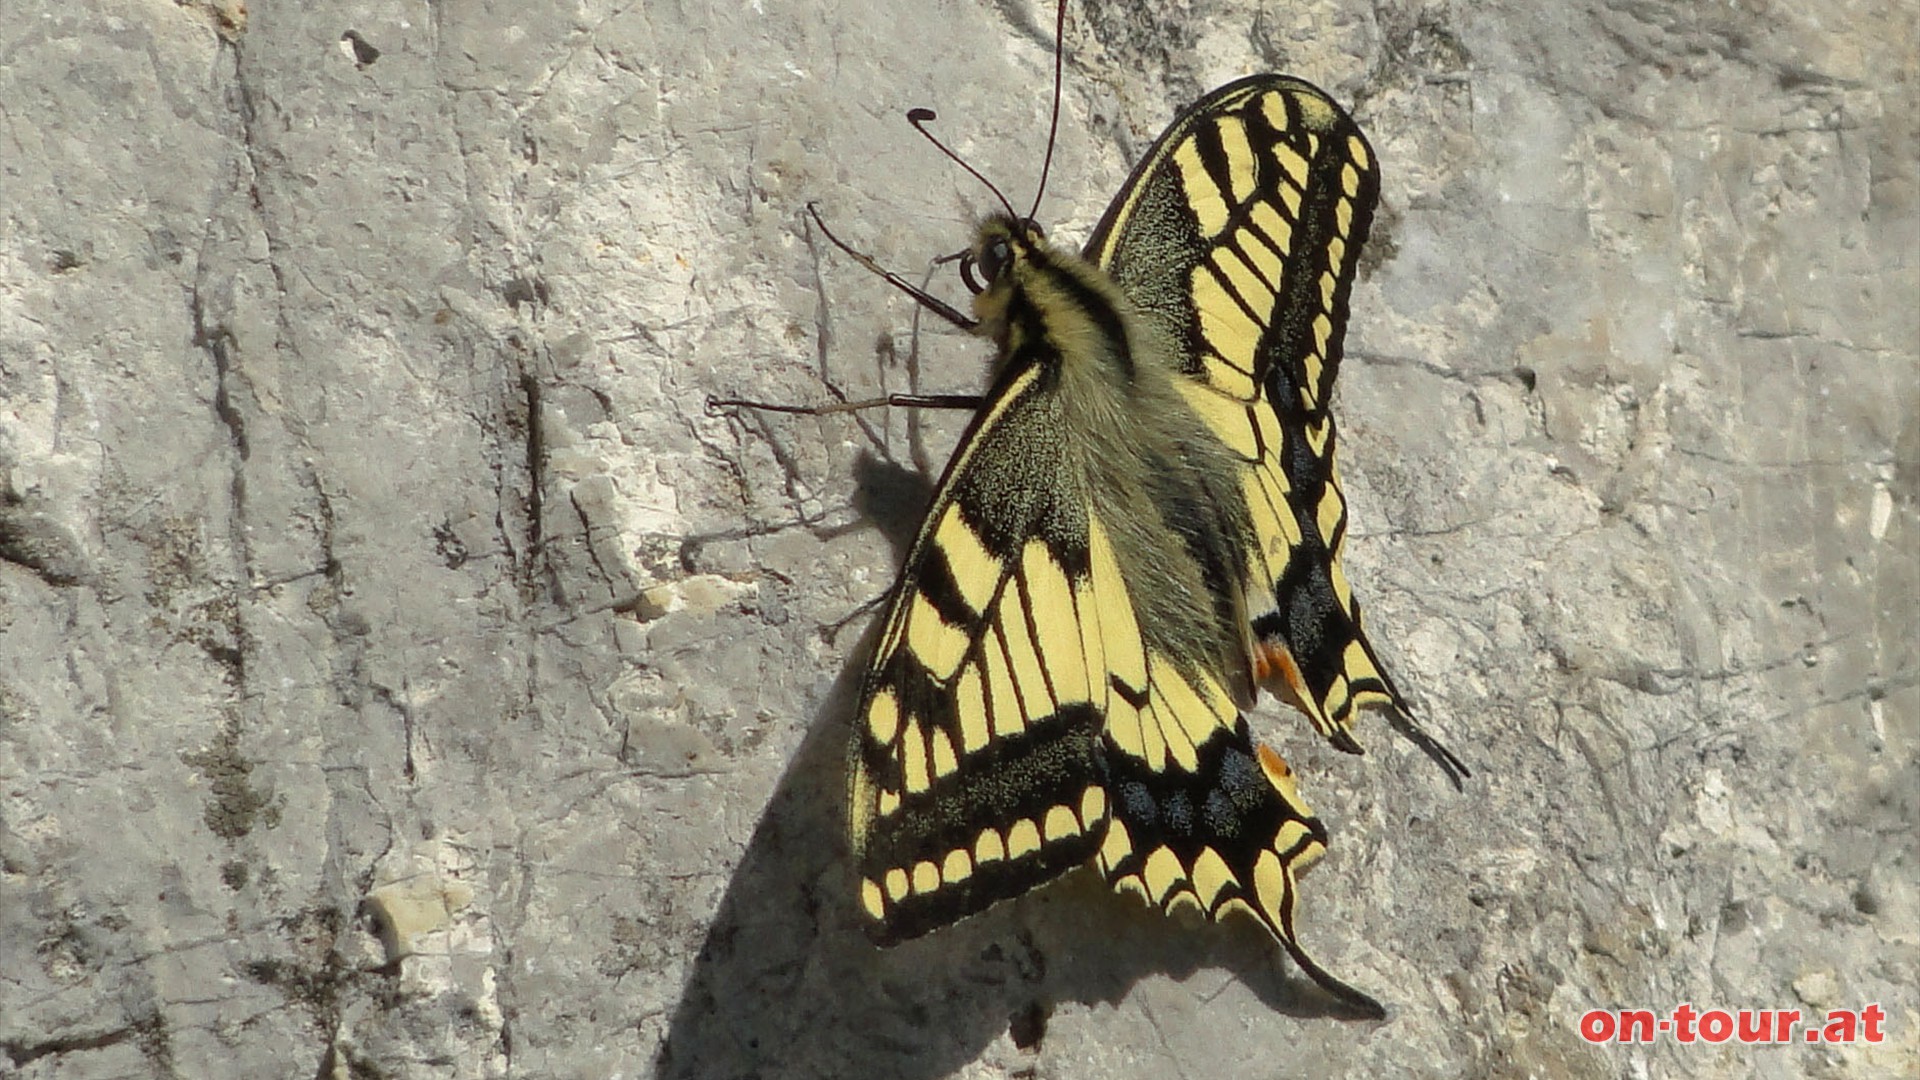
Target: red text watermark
(1754, 1027)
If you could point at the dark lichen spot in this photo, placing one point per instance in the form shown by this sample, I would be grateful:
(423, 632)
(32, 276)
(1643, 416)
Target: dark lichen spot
(449, 546)
(363, 51)
(1028, 1026)
(235, 804)
(532, 291)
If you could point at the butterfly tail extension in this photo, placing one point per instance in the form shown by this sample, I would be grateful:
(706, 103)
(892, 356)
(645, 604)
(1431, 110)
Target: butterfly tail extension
(1230, 836)
(1449, 763)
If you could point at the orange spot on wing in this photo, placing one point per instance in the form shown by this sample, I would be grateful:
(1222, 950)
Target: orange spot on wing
(1275, 669)
(1271, 761)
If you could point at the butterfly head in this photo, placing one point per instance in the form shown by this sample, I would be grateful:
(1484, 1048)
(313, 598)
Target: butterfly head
(998, 265)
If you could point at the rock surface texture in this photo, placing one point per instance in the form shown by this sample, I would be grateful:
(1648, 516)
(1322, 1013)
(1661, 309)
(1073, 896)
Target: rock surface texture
(403, 675)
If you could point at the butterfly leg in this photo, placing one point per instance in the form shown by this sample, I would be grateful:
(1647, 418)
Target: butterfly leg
(968, 402)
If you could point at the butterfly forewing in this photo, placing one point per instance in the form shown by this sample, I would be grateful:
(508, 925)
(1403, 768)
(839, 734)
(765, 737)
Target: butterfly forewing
(975, 772)
(1239, 235)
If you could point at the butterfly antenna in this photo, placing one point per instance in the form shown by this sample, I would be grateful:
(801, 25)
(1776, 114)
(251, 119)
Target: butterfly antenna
(918, 118)
(1053, 125)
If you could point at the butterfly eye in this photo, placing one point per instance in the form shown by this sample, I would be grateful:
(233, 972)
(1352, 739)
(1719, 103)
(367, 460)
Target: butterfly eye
(994, 259)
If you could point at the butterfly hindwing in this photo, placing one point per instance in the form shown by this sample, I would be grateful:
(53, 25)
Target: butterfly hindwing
(1239, 234)
(1231, 836)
